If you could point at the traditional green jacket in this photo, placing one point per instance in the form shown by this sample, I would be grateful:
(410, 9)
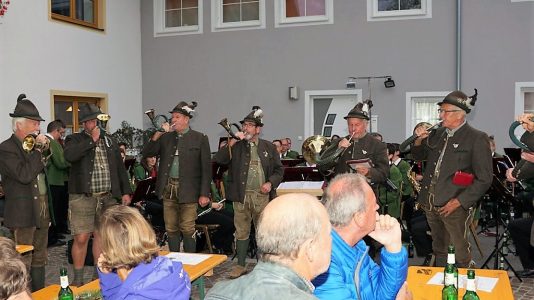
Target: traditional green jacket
(290, 154)
(404, 168)
(390, 198)
(57, 167)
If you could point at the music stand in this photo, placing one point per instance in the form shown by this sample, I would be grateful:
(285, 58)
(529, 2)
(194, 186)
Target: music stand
(302, 174)
(128, 164)
(359, 163)
(513, 153)
(143, 189)
(500, 191)
(500, 165)
(217, 170)
(291, 162)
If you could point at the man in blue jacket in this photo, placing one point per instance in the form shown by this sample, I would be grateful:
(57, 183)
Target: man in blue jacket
(351, 206)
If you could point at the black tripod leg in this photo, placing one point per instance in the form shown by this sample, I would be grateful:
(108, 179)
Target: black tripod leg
(511, 268)
(494, 253)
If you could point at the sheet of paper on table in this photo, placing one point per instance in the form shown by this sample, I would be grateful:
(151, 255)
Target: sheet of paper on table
(188, 258)
(485, 284)
(301, 185)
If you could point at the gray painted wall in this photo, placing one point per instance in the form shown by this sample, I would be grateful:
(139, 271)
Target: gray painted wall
(229, 72)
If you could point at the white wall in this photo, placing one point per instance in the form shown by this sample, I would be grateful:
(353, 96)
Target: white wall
(38, 55)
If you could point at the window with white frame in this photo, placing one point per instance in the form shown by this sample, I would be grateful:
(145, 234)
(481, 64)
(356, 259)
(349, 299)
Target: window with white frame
(173, 17)
(237, 14)
(385, 10)
(422, 107)
(524, 98)
(529, 102)
(303, 12)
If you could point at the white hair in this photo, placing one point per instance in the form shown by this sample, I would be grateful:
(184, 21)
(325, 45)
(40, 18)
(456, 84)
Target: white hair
(283, 240)
(344, 197)
(15, 121)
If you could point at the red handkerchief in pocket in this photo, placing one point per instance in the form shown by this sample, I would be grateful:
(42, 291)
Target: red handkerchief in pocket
(463, 179)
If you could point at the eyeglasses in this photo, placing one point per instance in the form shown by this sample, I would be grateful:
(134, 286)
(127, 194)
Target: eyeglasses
(447, 111)
(248, 125)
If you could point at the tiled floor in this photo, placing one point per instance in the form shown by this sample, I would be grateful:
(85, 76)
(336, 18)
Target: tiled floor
(522, 290)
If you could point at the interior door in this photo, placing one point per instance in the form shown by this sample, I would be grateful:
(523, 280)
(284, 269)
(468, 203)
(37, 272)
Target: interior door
(328, 113)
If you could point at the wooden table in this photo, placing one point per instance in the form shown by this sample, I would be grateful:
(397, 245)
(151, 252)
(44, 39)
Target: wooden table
(313, 192)
(196, 274)
(24, 248)
(419, 276)
(50, 292)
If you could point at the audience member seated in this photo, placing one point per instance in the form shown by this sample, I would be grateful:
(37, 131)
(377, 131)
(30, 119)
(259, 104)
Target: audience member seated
(223, 215)
(291, 153)
(377, 136)
(351, 205)
(287, 153)
(147, 168)
(294, 241)
(389, 192)
(279, 148)
(13, 273)
(129, 266)
(123, 147)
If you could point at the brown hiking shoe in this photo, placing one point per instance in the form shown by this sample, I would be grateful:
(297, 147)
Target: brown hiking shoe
(237, 271)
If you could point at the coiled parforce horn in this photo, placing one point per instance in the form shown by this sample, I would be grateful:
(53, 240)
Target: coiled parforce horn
(157, 120)
(228, 127)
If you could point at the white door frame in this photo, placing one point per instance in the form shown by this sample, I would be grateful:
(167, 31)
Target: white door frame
(308, 104)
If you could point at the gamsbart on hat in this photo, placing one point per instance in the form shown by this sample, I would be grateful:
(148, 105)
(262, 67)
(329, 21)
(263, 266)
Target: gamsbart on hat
(25, 109)
(185, 109)
(459, 99)
(360, 111)
(88, 111)
(255, 116)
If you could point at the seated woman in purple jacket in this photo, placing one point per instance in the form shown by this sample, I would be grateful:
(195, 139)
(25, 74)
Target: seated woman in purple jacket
(129, 266)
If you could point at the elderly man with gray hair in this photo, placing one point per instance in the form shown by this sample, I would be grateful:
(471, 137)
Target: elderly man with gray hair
(22, 169)
(293, 237)
(351, 205)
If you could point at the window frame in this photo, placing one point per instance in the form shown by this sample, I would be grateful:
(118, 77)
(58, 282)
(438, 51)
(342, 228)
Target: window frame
(159, 21)
(410, 97)
(520, 89)
(217, 23)
(282, 21)
(100, 99)
(98, 13)
(374, 15)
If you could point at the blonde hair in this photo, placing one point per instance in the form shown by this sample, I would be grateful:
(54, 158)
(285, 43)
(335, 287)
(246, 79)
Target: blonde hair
(127, 238)
(13, 273)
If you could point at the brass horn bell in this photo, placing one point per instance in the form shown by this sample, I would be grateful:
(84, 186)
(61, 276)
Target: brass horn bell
(29, 143)
(103, 121)
(313, 146)
(157, 120)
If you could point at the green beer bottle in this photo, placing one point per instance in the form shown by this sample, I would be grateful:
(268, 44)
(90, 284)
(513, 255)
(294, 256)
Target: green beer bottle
(471, 289)
(65, 293)
(451, 260)
(449, 291)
